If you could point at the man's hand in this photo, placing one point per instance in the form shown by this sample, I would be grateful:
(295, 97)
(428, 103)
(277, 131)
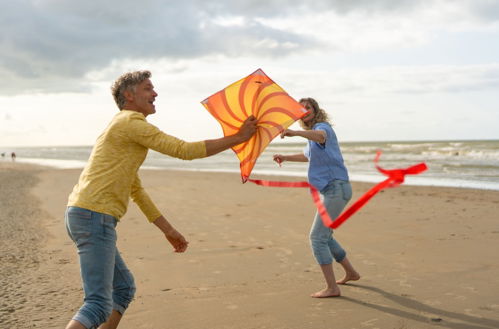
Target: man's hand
(177, 240)
(248, 128)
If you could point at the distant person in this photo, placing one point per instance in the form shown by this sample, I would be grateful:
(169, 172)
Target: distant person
(3, 154)
(327, 173)
(103, 191)
(13, 156)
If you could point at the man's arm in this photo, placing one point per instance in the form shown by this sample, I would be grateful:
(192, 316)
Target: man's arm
(152, 213)
(248, 129)
(146, 134)
(142, 199)
(176, 239)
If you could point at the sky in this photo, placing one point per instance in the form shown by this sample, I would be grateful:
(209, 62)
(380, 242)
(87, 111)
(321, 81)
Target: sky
(384, 70)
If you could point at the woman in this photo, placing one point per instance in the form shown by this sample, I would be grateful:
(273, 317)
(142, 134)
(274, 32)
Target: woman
(329, 175)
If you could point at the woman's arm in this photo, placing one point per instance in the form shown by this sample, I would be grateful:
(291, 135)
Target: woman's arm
(300, 157)
(318, 136)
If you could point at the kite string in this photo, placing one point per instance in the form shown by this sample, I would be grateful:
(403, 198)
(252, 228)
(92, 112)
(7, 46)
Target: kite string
(395, 178)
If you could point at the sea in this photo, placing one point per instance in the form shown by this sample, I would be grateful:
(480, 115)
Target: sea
(463, 164)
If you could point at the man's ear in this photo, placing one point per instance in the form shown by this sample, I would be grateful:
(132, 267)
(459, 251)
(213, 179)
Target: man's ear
(129, 95)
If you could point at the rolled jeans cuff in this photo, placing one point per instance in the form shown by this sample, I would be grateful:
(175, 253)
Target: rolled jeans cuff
(83, 320)
(119, 308)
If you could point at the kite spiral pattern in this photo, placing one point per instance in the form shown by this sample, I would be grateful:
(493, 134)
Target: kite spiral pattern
(261, 97)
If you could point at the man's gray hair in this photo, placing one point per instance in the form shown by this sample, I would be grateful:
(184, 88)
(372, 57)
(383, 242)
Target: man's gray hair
(127, 81)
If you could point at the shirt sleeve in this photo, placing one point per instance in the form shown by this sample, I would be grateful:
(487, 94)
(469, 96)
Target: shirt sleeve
(151, 137)
(142, 199)
(306, 151)
(326, 128)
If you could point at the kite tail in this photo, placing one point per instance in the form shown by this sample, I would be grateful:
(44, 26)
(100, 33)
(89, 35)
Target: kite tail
(395, 178)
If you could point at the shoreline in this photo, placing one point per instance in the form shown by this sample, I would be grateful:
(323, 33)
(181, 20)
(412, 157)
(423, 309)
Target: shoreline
(411, 180)
(426, 256)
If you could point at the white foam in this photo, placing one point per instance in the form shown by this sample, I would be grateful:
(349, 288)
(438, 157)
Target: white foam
(55, 163)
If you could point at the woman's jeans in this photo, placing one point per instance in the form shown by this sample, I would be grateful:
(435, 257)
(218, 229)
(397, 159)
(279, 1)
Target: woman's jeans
(107, 282)
(335, 197)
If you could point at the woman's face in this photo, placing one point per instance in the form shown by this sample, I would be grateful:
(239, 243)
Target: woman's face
(309, 116)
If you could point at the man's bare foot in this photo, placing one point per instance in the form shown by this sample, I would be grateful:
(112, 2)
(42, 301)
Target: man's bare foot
(328, 292)
(349, 277)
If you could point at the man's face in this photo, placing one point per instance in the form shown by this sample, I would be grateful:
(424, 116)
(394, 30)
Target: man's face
(142, 100)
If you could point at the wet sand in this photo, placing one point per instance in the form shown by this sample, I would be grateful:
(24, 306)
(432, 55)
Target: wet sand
(427, 256)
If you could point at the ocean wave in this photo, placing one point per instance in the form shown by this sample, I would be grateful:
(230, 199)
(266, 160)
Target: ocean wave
(451, 163)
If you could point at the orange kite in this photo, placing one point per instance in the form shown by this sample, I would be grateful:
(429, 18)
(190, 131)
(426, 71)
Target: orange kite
(255, 95)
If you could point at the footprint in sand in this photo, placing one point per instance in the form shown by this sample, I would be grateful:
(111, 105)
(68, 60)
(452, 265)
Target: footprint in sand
(368, 323)
(368, 262)
(458, 297)
(471, 289)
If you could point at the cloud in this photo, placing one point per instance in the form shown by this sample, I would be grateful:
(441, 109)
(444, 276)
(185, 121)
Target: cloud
(60, 46)
(480, 10)
(443, 79)
(484, 10)
(272, 8)
(50, 44)
(386, 82)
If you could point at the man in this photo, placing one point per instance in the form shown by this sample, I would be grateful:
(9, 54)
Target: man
(101, 196)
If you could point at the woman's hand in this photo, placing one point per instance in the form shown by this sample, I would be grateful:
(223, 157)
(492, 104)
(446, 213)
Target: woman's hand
(288, 133)
(279, 158)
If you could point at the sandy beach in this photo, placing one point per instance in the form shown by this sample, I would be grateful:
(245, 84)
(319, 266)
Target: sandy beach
(427, 256)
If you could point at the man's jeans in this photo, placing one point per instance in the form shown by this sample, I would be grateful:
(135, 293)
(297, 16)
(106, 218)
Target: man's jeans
(107, 282)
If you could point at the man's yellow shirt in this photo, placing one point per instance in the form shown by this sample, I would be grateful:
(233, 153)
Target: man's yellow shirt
(110, 177)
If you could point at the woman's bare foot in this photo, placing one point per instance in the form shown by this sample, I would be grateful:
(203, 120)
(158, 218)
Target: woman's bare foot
(327, 292)
(353, 276)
